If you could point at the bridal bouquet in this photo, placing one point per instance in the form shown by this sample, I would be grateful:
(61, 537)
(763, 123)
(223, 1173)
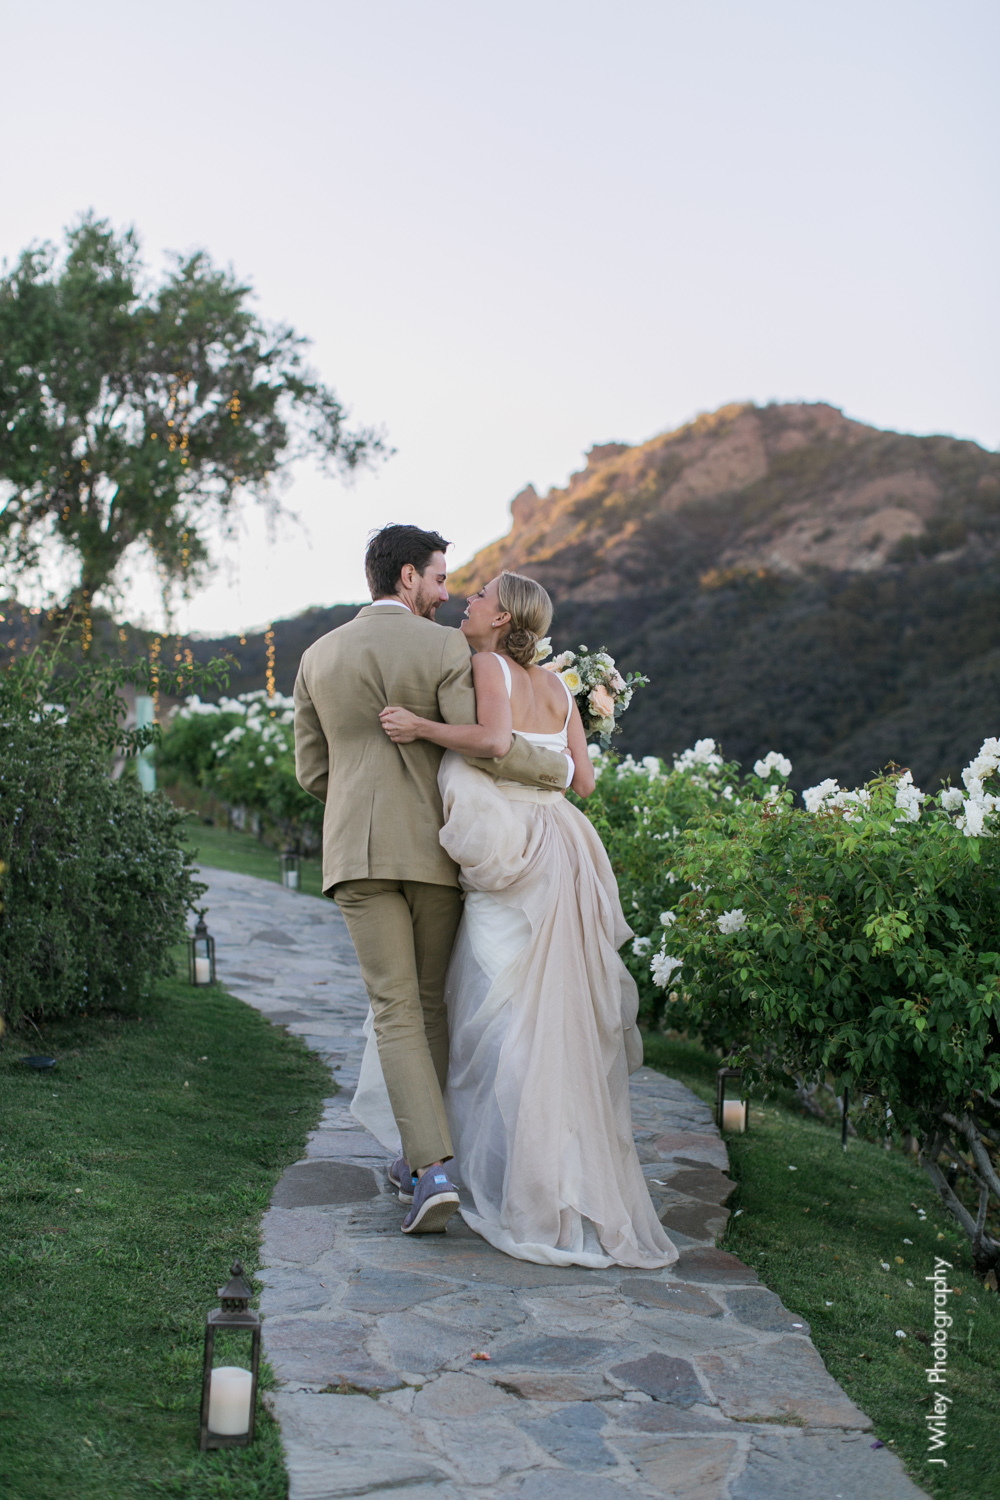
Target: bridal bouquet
(602, 694)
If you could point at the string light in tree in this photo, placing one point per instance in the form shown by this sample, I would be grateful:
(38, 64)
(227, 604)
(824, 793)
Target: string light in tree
(154, 675)
(234, 406)
(88, 624)
(269, 674)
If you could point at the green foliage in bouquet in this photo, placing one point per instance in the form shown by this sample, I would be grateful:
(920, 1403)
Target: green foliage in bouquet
(243, 751)
(854, 939)
(96, 882)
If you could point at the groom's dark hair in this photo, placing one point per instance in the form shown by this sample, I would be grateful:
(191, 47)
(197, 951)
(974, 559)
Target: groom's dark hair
(390, 549)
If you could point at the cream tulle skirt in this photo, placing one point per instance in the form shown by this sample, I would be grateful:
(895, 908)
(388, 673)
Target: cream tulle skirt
(542, 1021)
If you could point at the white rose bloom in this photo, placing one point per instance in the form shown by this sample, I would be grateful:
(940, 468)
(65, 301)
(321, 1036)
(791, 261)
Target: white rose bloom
(543, 649)
(908, 797)
(815, 796)
(975, 819)
(732, 921)
(641, 945)
(773, 762)
(952, 799)
(572, 679)
(668, 918)
(662, 967)
(703, 754)
(651, 763)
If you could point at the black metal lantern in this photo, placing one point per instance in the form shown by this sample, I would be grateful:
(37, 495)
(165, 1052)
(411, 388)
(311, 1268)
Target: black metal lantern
(291, 869)
(730, 1114)
(201, 953)
(229, 1392)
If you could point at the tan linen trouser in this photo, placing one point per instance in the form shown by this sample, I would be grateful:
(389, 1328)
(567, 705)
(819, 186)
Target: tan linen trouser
(403, 932)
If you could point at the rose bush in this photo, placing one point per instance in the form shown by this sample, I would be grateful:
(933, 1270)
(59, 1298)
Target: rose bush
(853, 938)
(242, 750)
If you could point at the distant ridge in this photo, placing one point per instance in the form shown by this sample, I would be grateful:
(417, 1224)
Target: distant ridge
(790, 579)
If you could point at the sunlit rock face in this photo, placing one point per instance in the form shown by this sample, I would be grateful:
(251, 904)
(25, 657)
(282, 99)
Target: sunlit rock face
(788, 489)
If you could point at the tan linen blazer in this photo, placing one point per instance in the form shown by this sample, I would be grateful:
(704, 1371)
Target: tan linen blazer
(383, 808)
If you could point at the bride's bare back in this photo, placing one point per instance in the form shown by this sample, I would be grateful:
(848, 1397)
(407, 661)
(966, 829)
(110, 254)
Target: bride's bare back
(537, 700)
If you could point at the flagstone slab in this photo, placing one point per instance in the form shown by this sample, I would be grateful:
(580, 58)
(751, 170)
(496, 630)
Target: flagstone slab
(316, 1353)
(496, 1379)
(482, 1452)
(549, 1386)
(785, 1378)
(698, 1221)
(571, 1435)
(716, 1267)
(296, 1235)
(672, 1296)
(693, 1148)
(760, 1308)
(551, 1353)
(383, 1291)
(686, 1468)
(702, 1182)
(661, 1416)
(662, 1377)
(821, 1466)
(458, 1395)
(311, 1183)
(288, 1291)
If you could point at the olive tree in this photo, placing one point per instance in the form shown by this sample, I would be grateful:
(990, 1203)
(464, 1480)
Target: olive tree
(135, 410)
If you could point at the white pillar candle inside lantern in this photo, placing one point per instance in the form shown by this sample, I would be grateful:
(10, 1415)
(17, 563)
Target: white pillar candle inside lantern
(202, 971)
(229, 1401)
(292, 879)
(734, 1115)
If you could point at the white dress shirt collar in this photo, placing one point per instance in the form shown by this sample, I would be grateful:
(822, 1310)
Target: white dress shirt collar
(392, 603)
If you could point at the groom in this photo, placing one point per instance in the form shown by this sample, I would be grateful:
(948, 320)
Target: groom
(382, 861)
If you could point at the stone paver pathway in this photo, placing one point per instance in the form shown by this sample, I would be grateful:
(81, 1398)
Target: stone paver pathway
(693, 1383)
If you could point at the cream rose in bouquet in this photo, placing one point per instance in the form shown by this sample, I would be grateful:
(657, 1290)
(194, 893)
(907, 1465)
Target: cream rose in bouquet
(602, 694)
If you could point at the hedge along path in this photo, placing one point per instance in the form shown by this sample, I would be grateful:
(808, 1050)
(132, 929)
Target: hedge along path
(694, 1381)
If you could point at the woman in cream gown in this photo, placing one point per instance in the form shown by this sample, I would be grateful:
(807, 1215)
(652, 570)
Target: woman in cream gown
(542, 1011)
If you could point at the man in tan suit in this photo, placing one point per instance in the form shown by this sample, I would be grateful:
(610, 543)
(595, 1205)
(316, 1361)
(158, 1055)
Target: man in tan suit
(382, 861)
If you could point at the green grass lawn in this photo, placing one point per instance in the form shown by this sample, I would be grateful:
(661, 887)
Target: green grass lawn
(228, 850)
(819, 1235)
(131, 1175)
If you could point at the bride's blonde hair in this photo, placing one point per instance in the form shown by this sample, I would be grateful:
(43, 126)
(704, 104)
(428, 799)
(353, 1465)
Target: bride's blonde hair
(530, 610)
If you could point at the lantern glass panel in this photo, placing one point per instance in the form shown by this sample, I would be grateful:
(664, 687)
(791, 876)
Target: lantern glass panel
(291, 868)
(201, 955)
(730, 1114)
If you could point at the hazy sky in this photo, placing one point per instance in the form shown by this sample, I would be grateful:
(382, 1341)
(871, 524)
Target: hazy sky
(513, 230)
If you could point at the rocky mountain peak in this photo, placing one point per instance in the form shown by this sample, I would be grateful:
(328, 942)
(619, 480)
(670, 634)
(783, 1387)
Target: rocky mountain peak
(782, 489)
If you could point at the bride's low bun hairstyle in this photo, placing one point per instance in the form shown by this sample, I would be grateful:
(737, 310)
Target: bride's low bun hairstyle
(530, 610)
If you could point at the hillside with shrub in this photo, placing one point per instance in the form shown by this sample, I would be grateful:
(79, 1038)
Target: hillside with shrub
(788, 578)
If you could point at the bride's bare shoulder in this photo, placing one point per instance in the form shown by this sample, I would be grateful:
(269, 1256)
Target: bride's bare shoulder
(547, 686)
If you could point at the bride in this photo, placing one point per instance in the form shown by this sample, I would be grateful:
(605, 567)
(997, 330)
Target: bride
(542, 1011)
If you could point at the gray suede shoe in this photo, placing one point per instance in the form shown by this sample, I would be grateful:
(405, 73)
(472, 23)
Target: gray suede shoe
(402, 1179)
(435, 1199)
